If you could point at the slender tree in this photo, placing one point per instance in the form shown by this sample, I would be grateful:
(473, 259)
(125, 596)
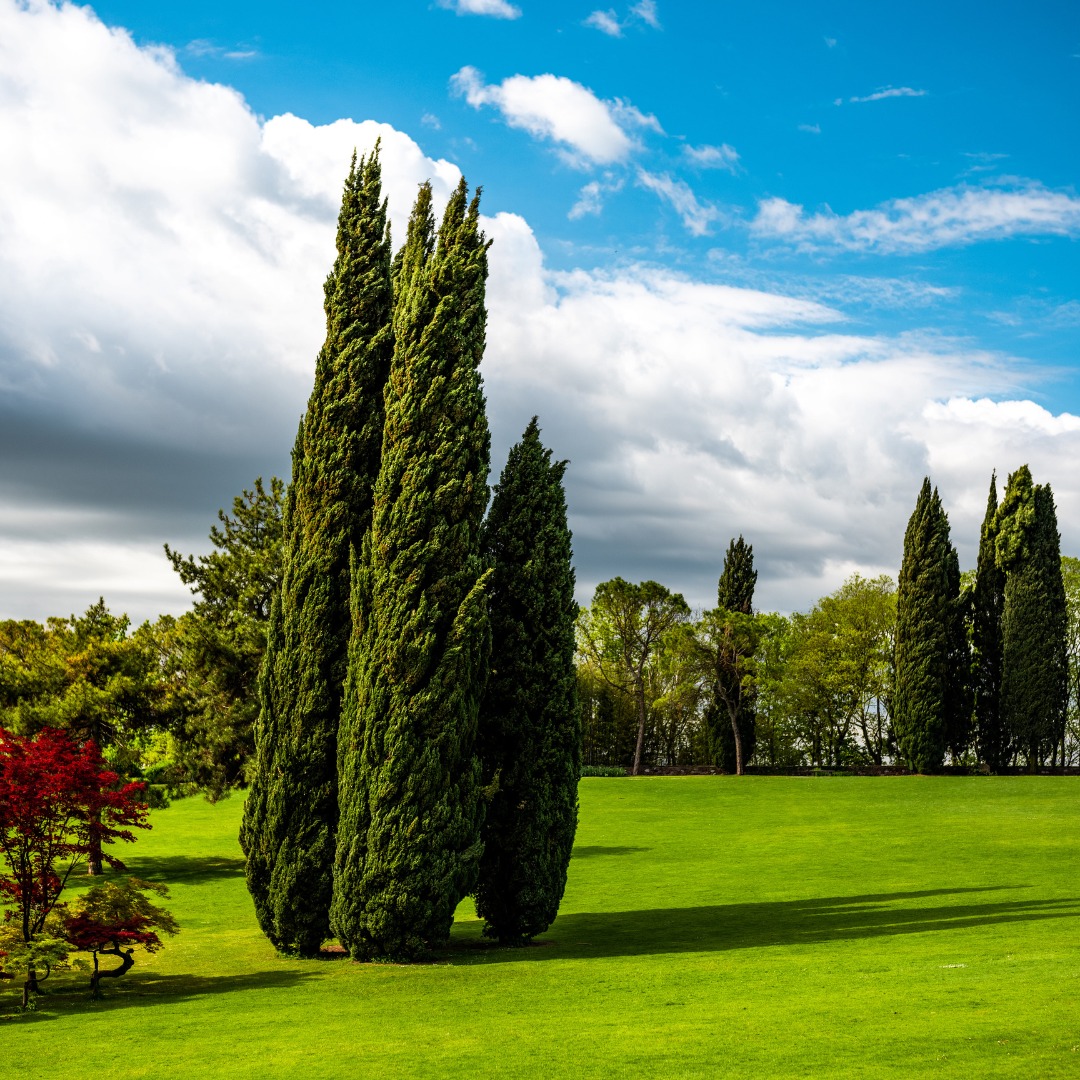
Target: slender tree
(408, 841)
(730, 714)
(530, 731)
(927, 693)
(291, 812)
(1034, 667)
(988, 603)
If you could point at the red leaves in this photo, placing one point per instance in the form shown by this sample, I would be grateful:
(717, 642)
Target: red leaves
(57, 801)
(88, 934)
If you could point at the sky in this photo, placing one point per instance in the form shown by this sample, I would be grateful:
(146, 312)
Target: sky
(758, 269)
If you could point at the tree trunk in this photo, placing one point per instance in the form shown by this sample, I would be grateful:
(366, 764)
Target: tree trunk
(636, 771)
(738, 742)
(93, 855)
(126, 964)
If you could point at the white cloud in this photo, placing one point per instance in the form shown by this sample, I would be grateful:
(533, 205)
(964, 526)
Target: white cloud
(203, 47)
(160, 310)
(713, 157)
(607, 22)
(811, 129)
(590, 131)
(830, 43)
(886, 92)
(498, 9)
(697, 217)
(951, 216)
(645, 10)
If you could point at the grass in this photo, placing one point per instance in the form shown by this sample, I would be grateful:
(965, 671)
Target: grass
(712, 926)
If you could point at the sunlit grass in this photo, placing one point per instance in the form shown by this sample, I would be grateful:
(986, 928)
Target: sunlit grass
(712, 926)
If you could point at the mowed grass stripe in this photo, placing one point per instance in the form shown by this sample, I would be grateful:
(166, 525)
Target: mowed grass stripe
(839, 926)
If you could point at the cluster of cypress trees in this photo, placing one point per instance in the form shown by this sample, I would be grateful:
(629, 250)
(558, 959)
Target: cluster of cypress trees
(1005, 683)
(380, 741)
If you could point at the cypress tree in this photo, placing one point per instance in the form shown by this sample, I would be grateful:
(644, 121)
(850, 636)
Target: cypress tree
(408, 838)
(734, 592)
(988, 603)
(1034, 667)
(291, 812)
(928, 695)
(958, 687)
(530, 730)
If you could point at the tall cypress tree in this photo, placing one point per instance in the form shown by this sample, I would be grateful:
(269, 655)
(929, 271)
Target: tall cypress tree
(291, 812)
(408, 837)
(1034, 667)
(734, 592)
(928, 694)
(988, 604)
(530, 731)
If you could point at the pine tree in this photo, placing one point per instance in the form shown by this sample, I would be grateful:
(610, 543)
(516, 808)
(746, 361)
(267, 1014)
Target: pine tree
(291, 812)
(530, 731)
(928, 696)
(988, 603)
(1034, 666)
(408, 838)
(734, 592)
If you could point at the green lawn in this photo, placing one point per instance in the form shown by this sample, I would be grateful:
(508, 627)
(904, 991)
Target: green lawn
(712, 926)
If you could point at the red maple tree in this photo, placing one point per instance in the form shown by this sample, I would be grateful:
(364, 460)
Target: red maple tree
(58, 802)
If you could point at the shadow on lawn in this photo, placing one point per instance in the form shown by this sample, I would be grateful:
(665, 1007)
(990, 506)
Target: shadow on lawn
(589, 852)
(186, 869)
(790, 922)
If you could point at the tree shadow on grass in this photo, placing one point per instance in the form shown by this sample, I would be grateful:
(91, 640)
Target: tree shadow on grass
(185, 869)
(589, 852)
(723, 927)
(150, 988)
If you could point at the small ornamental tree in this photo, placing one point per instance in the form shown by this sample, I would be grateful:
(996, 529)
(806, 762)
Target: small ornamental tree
(58, 803)
(115, 919)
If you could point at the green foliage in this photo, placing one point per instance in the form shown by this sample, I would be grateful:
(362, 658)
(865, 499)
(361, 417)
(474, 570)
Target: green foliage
(929, 695)
(987, 608)
(837, 674)
(602, 770)
(408, 841)
(1070, 577)
(530, 731)
(1034, 667)
(620, 637)
(291, 813)
(213, 653)
(730, 713)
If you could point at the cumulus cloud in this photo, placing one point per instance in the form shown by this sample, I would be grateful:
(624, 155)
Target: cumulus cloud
(951, 216)
(713, 157)
(588, 130)
(498, 9)
(160, 310)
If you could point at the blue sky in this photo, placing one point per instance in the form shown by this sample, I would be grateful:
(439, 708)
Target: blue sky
(978, 95)
(759, 268)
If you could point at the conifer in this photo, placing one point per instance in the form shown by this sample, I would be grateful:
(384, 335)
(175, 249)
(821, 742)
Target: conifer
(927, 695)
(988, 603)
(1034, 666)
(530, 731)
(291, 811)
(408, 838)
(734, 592)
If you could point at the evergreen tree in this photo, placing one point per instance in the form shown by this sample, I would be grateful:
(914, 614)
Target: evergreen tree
(408, 839)
(988, 603)
(1034, 666)
(530, 731)
(929, 696)
(734, 592)
(291, 812)
(958, 688)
